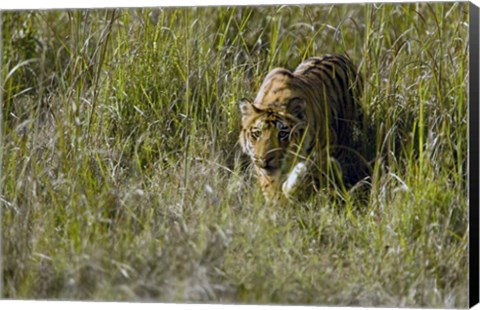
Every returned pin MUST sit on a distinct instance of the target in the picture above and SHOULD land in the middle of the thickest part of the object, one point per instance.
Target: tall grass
(123, 179)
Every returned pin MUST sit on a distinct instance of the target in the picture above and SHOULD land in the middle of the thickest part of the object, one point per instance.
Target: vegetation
(123, 179)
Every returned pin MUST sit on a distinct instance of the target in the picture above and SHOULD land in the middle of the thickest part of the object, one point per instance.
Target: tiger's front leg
(295, 181)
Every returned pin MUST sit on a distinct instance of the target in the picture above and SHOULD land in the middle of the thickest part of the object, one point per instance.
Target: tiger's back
(338, 87)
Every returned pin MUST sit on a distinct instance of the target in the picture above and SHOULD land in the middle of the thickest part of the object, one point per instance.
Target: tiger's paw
(294, 180)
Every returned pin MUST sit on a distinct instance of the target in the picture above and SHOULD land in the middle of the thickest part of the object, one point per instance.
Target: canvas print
(283, 154)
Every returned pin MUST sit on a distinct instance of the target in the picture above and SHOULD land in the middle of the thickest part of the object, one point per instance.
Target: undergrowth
(123, 179)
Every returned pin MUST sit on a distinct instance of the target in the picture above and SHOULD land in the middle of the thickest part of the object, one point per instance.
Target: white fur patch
(294, 178)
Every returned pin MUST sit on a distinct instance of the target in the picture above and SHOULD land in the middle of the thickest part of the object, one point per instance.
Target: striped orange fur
(302, 117)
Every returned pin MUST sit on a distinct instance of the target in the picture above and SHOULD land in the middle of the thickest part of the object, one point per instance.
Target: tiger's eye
(256, 134)
(283, 135)
(282, 126)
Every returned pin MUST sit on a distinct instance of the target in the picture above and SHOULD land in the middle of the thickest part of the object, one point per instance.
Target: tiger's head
(273, 128)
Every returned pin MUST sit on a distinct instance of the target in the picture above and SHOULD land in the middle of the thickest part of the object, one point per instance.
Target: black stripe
(334, 79)
(323, 76)
(314, 60)
(283, 72)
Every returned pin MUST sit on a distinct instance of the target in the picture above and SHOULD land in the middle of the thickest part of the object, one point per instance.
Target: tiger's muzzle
(270, 162)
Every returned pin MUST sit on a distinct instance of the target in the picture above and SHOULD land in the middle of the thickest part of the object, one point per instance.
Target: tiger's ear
(246, 108)
(296, 107)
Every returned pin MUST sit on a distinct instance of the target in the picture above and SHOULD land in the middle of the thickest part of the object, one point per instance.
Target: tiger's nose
(265, 161)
